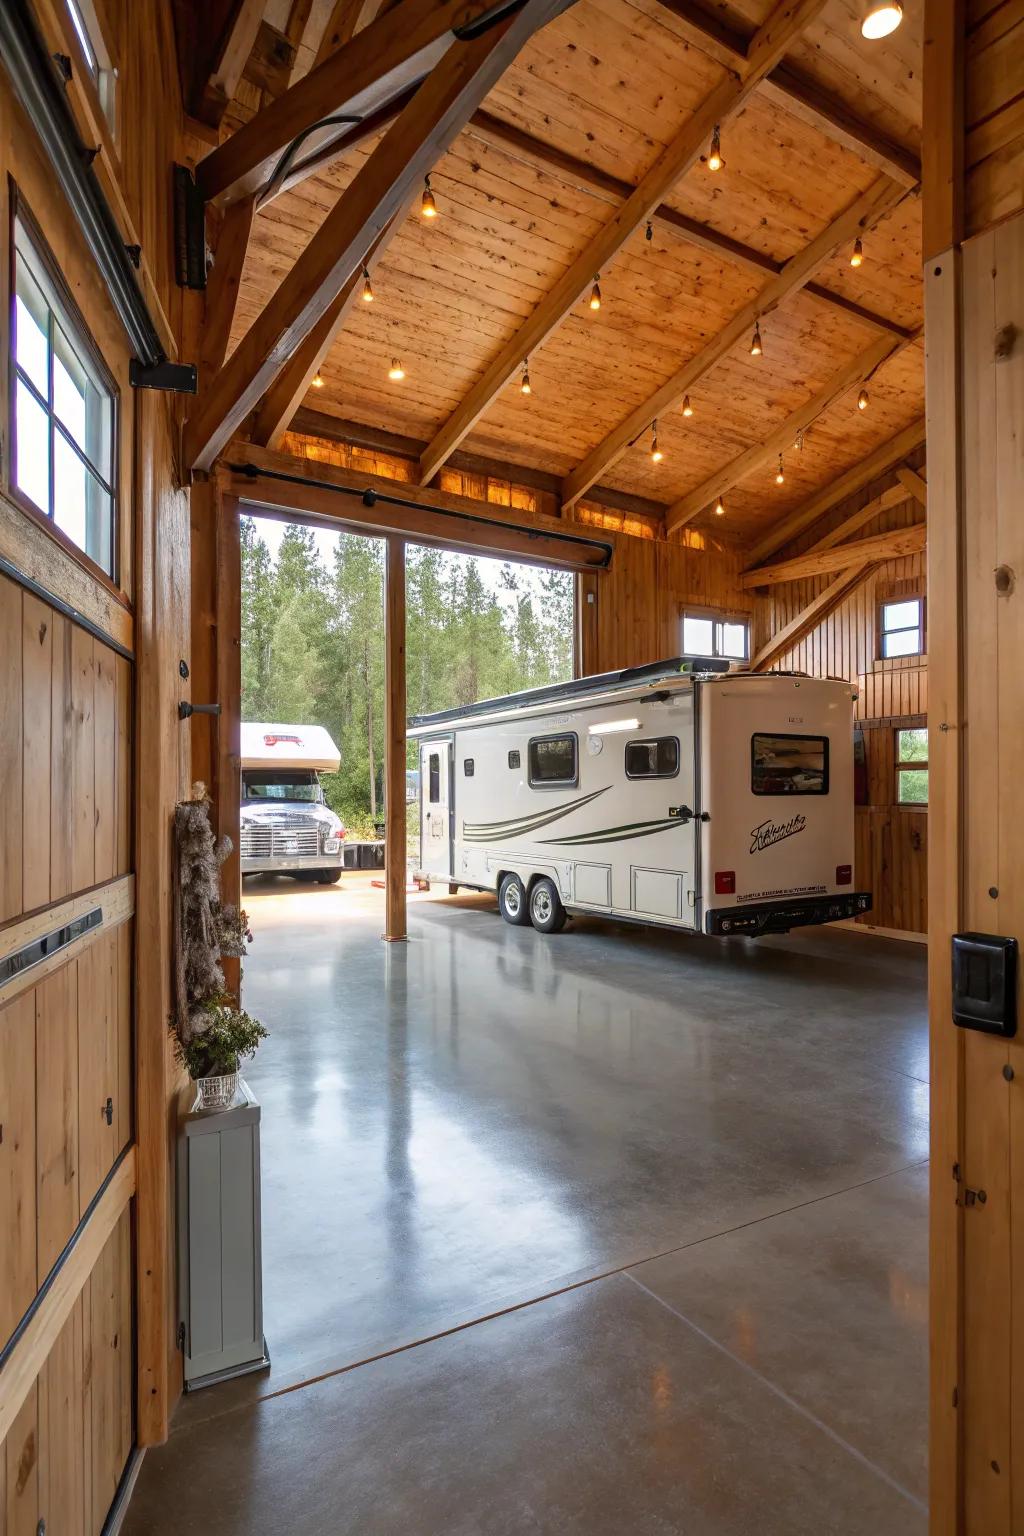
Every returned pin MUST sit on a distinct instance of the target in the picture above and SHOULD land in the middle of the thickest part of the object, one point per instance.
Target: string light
(396, 371)
(687, 407)
(595, 293)
(367, 287)
(756, 348)
(656, 453)
(428, 208)
(881, 18)
(649, 231)
(780, 473)
(525, 387)
(318, 380)
(715, 161)
(857, 255)
(863, 400)
(720, 507)
(799, 442)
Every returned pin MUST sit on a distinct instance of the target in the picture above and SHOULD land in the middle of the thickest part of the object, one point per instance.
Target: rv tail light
(725, 882)
(844, 874)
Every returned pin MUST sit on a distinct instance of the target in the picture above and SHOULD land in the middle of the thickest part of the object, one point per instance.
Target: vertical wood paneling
(17, 1160)
(97, 1063)
(105, 763)
(107, 1373)
(61, 731)
(123, 764)
(62, 1431)
(81, 810)
(10, 750)
(19, 1464)
(123, 1109)
(56, 1113)
(37, 665)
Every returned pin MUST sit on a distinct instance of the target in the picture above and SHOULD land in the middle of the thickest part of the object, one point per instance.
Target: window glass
(78, 22)
(698, 636)
(303, 787)
(901, 628)
(435, 778)
(912, 766)
(734, 641)
(658, 759)
(63, 412)
(707, 635)
(553, 760)
(789, 765)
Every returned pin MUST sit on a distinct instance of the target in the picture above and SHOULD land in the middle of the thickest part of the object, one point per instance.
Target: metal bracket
(189, 231)
(974, 1197)
(187, 710)
(180, 378)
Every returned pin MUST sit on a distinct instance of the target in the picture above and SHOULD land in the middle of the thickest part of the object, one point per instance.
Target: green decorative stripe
(618, 834)
(490, 831)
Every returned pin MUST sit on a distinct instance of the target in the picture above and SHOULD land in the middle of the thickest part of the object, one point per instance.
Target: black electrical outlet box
(985, 983)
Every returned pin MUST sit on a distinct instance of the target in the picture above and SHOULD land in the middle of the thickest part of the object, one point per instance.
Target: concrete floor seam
(783, 1396)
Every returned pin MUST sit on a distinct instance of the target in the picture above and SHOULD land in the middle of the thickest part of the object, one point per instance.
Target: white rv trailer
(679, 794)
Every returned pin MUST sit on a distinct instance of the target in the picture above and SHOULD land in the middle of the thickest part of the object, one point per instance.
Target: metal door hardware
(187, 710)
(108, 1111)
(985, 983)
(974, 1197)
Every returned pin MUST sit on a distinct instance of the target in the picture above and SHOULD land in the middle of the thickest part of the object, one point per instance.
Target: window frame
(85, 22)
(434, 777)
(890, 601)
(900, 767)
(650, 741)
(572, 783)
(79, 335)
(718, 618)
(792, 794)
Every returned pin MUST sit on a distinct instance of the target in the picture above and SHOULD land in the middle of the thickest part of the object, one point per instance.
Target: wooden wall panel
(17, 1160)
(61, 731)
(56, 1114)
(107, 1373)
(10, 752)
(62, 1483)
(19, 1472)
(37, 668)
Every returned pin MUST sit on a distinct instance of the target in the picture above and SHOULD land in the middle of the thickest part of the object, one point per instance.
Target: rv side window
(657, 759)
(789, 765)
(553, 759)
(435, 778)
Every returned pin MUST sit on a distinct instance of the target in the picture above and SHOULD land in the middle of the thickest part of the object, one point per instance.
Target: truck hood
(283, 813)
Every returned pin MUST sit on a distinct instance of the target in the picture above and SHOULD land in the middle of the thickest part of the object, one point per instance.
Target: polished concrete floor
(609, 1231)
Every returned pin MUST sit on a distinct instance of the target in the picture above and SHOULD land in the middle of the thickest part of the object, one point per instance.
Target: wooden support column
(394, 747)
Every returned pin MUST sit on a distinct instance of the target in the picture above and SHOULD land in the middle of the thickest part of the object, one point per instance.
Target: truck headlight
(332, 844)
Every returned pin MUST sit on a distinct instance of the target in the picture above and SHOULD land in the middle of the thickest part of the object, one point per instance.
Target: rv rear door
(436, 807)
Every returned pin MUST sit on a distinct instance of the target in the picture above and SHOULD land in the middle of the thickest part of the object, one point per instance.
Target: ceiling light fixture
(780, 473)
(428, 208)
(863, 400)
(715, 161)
(595, 293)
(881, 18)
(756, 348)
(607, 727)
(649, 231)
(719, 507)
(396, 371)
(656, 453)
(367, 287)
(857, 254)
(687, 407)
(525, 387)
(318, 380)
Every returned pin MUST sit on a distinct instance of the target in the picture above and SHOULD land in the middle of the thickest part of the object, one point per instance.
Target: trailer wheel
(546, 911)
(512, 903)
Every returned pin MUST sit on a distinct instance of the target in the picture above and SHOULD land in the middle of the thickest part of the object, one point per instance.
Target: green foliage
(313, 644)
(228, 1035)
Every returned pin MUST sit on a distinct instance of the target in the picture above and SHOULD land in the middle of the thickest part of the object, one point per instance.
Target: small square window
(912, 766)
(901, 628)
(654, 759)
(553, 760)
(709, 634)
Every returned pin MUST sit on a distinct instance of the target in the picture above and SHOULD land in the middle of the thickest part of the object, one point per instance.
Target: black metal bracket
(187, 710)
(189, 231)
(180, 378)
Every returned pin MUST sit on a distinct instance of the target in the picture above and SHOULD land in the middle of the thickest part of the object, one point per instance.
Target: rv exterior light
(881, 19)
(606, 727)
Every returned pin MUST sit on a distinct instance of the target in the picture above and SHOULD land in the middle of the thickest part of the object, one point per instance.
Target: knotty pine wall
(92, 759)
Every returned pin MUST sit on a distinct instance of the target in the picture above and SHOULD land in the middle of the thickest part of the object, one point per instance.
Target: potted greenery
(213, 1034)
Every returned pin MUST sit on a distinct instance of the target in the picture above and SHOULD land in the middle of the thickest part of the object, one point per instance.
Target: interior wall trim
(116, 903)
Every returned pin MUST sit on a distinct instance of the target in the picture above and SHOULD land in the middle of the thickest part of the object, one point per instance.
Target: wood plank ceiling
(609, 83)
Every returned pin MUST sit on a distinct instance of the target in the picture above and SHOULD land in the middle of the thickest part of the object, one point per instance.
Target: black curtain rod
(369, 496)
(33, 78)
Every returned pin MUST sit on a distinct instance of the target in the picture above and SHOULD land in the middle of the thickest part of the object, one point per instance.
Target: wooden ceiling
(600, 92)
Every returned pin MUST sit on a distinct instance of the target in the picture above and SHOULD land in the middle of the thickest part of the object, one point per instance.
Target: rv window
(435, 778)
(553, 760)
(789, 765)
(514, 760)
(468, 767)
(658, 759)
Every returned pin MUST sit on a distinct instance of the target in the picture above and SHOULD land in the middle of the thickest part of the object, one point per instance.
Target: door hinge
(108, 1111)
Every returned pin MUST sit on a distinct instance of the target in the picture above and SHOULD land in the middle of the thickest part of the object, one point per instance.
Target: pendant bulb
(715, 161)
(525, 387)
(428, 208)
(780, 473)
(863, 400)
(367, 287)
(857, 255)
(719, 507)
(396, 371)
(318, 380)
(595, 293)
(881, 17)
(656, 453)
(756, 349)
(687, 407)
(649, 232)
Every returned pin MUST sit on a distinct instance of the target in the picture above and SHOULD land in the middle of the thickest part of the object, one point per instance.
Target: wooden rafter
(891, 545)
(214, 92)
(343, 23)
(381, 188)
(813, 615)
(877, 463)
(895, 496)
(786, 21)
(913, 484)
(224, 284)
(851, 374)
(377, 66)
(864, 212)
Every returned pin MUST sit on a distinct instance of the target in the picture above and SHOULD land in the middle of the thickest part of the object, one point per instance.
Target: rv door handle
(680, 813)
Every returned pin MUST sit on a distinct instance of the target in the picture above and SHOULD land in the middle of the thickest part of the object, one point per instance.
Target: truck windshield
(304, 787)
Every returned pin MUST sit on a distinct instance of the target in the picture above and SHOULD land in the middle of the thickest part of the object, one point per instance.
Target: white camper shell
(286, 825)
(678, 794)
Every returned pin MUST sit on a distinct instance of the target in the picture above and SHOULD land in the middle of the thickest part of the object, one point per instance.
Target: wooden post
(394, 716)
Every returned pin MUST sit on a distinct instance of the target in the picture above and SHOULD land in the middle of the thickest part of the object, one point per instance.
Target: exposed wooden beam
(877, 463)
(421, 515)
(380, 189)
(813, 615)
(228, 61)
(224, 284)
(342, 25)
(380, 63)
(287, 392)
(913, 483)
(895, 496)
(853, 373)
(394, 741)
(862, 214)
(891, 545)
(786, 21)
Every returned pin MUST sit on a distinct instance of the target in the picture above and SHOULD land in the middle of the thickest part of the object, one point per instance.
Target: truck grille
(279, 842)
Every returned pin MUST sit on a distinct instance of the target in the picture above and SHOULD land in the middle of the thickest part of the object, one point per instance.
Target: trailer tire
(512, 902)
(546, 911)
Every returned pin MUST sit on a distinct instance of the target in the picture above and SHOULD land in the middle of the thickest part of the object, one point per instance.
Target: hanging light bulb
(780, 473)
(396, 371)
(656, 453)
(857, 254)
(367, 287)
(687, 407)
(800, 442)
(649, 232)
(863, 400)
(715, 161)
(881, 18)
(720, 507)
(595, 293)
(525, 387)
(756, 348)
(318, 380)
(428, 208)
